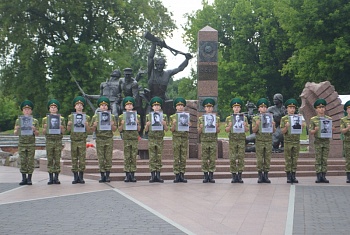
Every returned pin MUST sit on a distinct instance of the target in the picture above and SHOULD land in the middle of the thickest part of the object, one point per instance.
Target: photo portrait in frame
(209, 123)
(156, 121)
(325, 130)
(130, 121)
(237, 123)
(54, 124)
(295, 124)
(266, 123)
(26, 123)
(104, 123)
(182, 120)
(79, 120)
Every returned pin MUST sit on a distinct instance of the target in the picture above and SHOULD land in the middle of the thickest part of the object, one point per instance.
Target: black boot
(24, 180)
(289, 177)
(177, 178)
(75, 180)
(233, 178)
(56, 180)
(50, 179)
(182, 178)
(152, 179)
(347, 177)
(132, 177)
(294, 180)
(260, 177)
(324, 180)
(107, 176)
(81, 177)
(160, 180)
(266, 177)
(239, 178)
(127, 177)
(103, 177)
(29, 179)
(206, 177)
(319, 178)
(211, 177)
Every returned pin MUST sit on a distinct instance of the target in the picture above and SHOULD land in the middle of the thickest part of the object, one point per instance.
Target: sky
(179, 8)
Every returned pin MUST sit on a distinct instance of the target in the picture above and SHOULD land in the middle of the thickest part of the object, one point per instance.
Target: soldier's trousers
(180, 149)
(209, 149)
(322, 151)
(347, 155)
(78, 153)
(291, 155)
(26, 153)
(130, 155)
(104, 147)
(263, 154)
(53, 153)
(155, 149)
(236, 154)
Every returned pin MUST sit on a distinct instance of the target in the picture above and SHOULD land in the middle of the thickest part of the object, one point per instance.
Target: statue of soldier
(110, 89)
(278, 111)
(128, 86)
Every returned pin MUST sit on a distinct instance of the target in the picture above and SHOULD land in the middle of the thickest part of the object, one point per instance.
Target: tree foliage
(40, 40)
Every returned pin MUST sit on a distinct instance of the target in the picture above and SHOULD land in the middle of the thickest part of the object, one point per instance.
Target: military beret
(291, 102)
(178, 101)
(79, 99)
(262, 102)
(208, 102)
(156, 100)
(27, 104)
(53, 102)
(128, 100)
(346, 105)
(320, 103)
(236, 102)
(103, 100)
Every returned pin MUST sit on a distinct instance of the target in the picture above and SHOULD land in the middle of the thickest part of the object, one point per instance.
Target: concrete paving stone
(108, 213)
(8, 186)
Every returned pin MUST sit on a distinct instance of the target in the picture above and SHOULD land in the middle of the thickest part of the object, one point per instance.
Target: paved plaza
(168, 208)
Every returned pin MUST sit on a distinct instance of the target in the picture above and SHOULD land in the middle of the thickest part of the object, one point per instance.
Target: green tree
(8, 112)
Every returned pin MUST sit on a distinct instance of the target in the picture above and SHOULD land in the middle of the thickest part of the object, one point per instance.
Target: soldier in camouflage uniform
(236, 143)
(78, 141)
(53, 143)
(26, 144)
(180, 143)
(344, 128)
(262, 143)
(321, 144)
(104, 140)
(155, 141)
(130, 138)
(208, 142)
(292, 142)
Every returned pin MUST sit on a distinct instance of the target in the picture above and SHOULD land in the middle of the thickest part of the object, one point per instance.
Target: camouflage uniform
(155, 146)
(180, 148)
(130, 139)
(344, 122)
(209, 147)
(78, 147)
(236, 148)
(291, 147)
(53, 148)
(321, 146)
(26, 149)
(104, 146)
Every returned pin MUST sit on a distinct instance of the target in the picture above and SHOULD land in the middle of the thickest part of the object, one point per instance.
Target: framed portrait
(54, 124)
(79, 120)
(266, 123)
(26, 123)
(237, 123)
(209, 123)
(325, 130)
(130, 121)
(156, 121)
(182, 120)
(295, 126)
(104, 121)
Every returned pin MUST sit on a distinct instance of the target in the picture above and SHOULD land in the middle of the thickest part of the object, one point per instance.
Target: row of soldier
(236, 126)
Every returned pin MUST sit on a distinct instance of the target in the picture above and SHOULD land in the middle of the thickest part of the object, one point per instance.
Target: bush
(8, 113)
